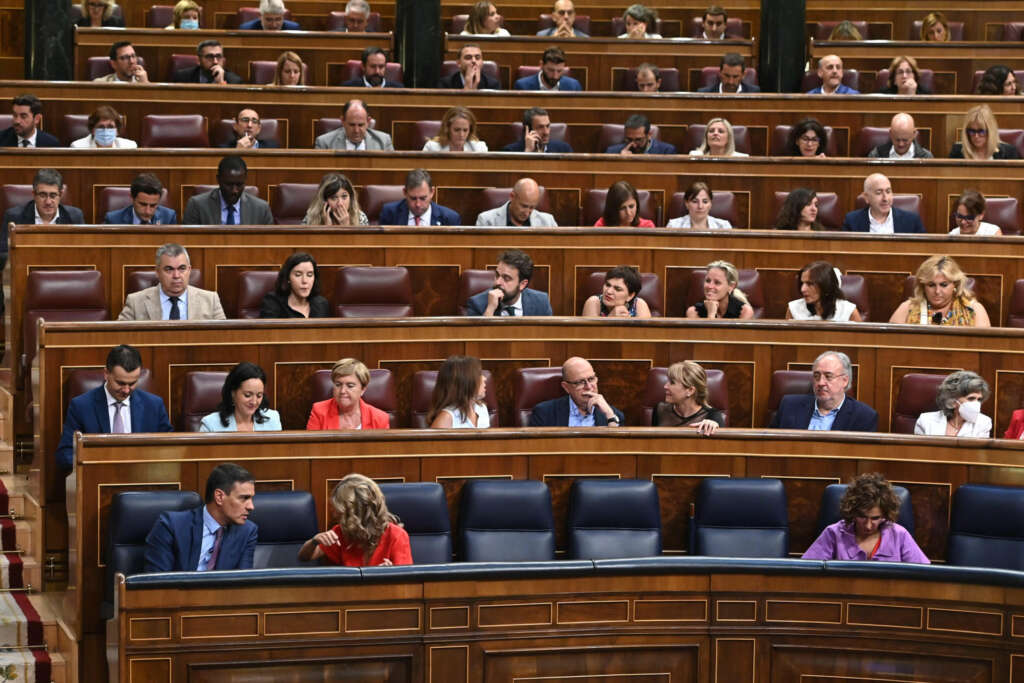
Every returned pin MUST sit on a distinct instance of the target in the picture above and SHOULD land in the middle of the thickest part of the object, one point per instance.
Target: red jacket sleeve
(1016, 425)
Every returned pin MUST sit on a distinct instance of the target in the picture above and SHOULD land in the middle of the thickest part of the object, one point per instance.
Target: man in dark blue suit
(145, 208)
(217, 535)
(510, 295)
(880, 216)
(418, 207)
(551, 75)
(730, 76)
(271, 18)
(636, 139)
(582, 406)
(537, 135)
(116, 407)
(828, 408)
(375, 68)
(26, 115)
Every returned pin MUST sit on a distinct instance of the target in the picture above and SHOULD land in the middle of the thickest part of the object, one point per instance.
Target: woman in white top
(698, 206)
(719, 140)
(638, 19)
(457, 134)
(484, 20)
(458, 399)
(959, 401)
(243, 403)
(822, 296)
(104, 126)
(968, 215)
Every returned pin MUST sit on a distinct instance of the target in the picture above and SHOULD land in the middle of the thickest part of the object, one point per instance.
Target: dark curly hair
(801, 127)
(789, 214)
(865, 492)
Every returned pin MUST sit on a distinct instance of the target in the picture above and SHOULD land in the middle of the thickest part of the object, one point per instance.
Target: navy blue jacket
(534, 303)
(555, 413)
(163, 216)
(795, 413)
(397, 213)
(554, 147)
(657, 147)
(174, 543)
(747, 87)
(902, 221)
(8, 138)
(88, 413)
(257, 25)
(565, 83)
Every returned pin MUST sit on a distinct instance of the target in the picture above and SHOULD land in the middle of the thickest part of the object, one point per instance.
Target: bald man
(880, 216)
(830, 71)
(902, 141)
(582, 406)
(520, 209)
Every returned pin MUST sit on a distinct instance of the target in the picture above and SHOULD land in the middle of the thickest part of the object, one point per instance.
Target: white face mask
(189, 24)
(969, 410)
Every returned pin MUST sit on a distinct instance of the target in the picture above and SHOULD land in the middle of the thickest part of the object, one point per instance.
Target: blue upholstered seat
(986, 528)
(833, 493)
(506, 521)
(740, 518)
(422, 508)
(614, 518)
(286, 520)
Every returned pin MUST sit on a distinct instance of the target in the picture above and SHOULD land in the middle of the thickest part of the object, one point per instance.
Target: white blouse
(698, 153)
(89, 142)
(934, 424)
(984, 229)
(502, 32)
(844, 309)
(713, 223)
(483, 418)
(471, 146)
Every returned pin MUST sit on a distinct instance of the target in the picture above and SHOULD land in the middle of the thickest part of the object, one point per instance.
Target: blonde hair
(690, 374)
(730, 146)
(931, 20)
(980, 114)
(946, 266)
(442, 138)
(364, 515)
(289, 56)
(732, 276)
(107, 11)
(180, 9)
(351, 366)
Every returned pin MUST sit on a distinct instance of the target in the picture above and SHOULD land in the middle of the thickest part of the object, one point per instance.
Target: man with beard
(375, 62)
(551, 75)
(510, 296)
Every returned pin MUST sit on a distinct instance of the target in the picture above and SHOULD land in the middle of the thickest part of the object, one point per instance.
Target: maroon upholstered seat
(100, 66)
(336, 22)
(86, 379)
(1004, 212)
(533, 386)
(654, 392)
(1015, 318)
(73, 127)
(916, 395)
(253, 285)
(138, 280)
(244, 14)
(324, 125)
(870, 137)
(472, 282)
(749, 283)
(709, 75)
(926, 79)
(374, 197)
(532, 70)
(650, 290)
(581, 23)
(785, 382)
(174, 130)
(423, 131)
(200, 189)
(612, 134)
(177, 62)
(733, 27)
(19, 195)
(423, 389)
(593, 206)
(493, 197)
(851, 79)
(354, 69)
(458, 24)
(291, 201)
(956, 30)
(373, 292)
(199, 397)
(619, 26)
(114, 197)
(829, 213)
(1012, 31)
(855, 288)
(1013, 137)
(723, 205)
(669, 80)
(379, 393)
(695, 137)
(781, 134)
(223, 132)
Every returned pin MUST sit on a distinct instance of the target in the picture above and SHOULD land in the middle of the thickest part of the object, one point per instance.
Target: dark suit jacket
(657, 147)
(8, 138)
(88, 413)
(534, 303)
(26, 215)
(565, 84)
(454, 81)
(902, 221)
(555, 413)
(747, 87)
(174, 543)
(1005, 151)
(276, 306)
(554, 147)
(125, 216)
(191, 75)
(264, 144)
(882, 151)
(257, 25)
(358, 83)
(397, 213)
(204, 209)
(795, 413)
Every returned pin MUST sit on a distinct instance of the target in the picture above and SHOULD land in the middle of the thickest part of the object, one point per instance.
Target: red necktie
(215, 550)
(417, 219)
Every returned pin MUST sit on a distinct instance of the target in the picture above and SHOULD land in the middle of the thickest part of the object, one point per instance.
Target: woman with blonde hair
(366, 535)
(484, 20)
(935, 28)
(941, 297)
(686, 401)
(719, 140)
(185, 15)
(722, 296)
(335, 203)
(289, 69)
(458, 399)
(457, 133)
(98, 14)
(980, 137)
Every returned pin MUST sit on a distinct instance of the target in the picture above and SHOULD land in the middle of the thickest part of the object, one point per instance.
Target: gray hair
(417, 177)
(271, 7)
(843, 359)
(357, 6)
(48, 176)
(958, 385)
(171, 249)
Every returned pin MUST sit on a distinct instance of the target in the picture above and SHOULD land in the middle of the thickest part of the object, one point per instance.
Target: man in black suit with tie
(45, 208)
(470, 75)
(210, 68)
(26, 114)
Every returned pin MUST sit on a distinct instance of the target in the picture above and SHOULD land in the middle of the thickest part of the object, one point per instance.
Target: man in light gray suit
(355, 135)
(229, 204)
(520, 209)
(172, 298)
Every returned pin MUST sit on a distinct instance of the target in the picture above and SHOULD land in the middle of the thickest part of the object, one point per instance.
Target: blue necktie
(231, 216)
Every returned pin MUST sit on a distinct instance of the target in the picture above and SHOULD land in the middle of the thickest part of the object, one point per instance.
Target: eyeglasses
(977, 131)
(809, 140)
(964, 218)
(48, 195)
(249, 119)
(582, 382)
(904, 72)
(214, 56)
(827, 376)
(126, 57)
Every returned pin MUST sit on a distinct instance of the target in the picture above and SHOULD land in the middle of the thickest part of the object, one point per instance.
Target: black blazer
(358, 83)
(264, 144)
(453, 81)
(1005, 151)
(276, 306)
(109, 22)
(26, 215)
(8, 138)
(191, 75)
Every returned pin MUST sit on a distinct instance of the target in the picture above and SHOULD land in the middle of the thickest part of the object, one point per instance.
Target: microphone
(937, 319)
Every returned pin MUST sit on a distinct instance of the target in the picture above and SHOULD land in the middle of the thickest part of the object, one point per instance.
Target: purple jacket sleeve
(909, 550)
(824, 547)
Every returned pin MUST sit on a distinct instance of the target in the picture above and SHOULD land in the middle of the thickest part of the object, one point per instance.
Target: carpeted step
(24, 664)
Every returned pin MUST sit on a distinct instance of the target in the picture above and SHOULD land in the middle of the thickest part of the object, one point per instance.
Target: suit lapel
(135, 408)
(196, 529)
(244, 209)
(99, 405)
(563, 410)
(152, 302)
(843, 416)
(213, 205)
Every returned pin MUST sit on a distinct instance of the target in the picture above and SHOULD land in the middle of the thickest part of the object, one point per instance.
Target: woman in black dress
(686, 400)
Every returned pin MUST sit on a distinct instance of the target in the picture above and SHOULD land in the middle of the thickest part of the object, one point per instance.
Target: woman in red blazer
(346, 408)
(1016, 425)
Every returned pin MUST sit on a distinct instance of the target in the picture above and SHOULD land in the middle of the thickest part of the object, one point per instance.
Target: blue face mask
(104, 136)
(189, 24)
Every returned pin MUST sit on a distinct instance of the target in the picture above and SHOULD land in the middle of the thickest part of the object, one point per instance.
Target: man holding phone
(636, 139)
(537, 135)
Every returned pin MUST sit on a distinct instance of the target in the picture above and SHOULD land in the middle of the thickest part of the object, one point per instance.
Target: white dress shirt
(883, 227)
(934, 424)
(165, 304)
(126, 410)
(424, 219)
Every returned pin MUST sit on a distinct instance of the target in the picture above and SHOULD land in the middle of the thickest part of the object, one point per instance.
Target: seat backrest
(114, 197)
(851, 79)
(244, 14)
(612, 134)
(829, 212)
(904, 202)
(472, 282)
(749, 283)
(73, 127)
(422, 508)
(83, 380)
(650, 290)
(373, 292)
(780, 134)
(833, 494)
(533, 386)
(199, 397)
(132, 516)
(423, 131)
(581, 23)
(12, 195)
(1015, 318)
(488, 68)
(593, 205)
(822, 29)
(559, 131)
(613, 518)
(354, 69)
(138, 280)
(723, 205)
(956, 30)
(785, 382)
(379, 393)
(669, 80)
(506, 521)
(694, 137)
(926, 79)
(759, 527)
(986, 527)
(1013, 137)
(174, 130)
(855, 288)
(336, 22)
(177, 62)
(1004, 212)
(60, 296)
(654, 392)
(423, 383)
(1013, 31)
(733, 27)
(870, 137)
(374, 197)
(291, 201)
(223, 131)
(916, 395)
(253, 285)
(201, 189)
(285, 521)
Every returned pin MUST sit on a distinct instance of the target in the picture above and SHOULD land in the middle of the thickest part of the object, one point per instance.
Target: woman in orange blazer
(346, 409)
(1016, 425)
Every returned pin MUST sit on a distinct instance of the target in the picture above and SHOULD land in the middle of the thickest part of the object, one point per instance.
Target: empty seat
(458, 24)
(379, 393)
(199, 397)
(870, 137)
(73, 127)
(374, 197)
(174, 130)
(1013, 31)
(855, 288)
(612, 134)
(1015, 318)
(613, 518)
(926, 80)
(833, 494)
(223, 132)
(722, 527)
(956, 30)
(723, 205)
(654, 392)
(709, 75)
(291, 201)
(1013, 137)
(473, 282)
(749, 284)
(781, 134)
(422, 508)
(253, 285)
(669, 80)
(423, 131)
(336, 22)
(506, 521)
(1004, 212)
(354, 70)
(533, 386)
(581, 23)
(785, 382)
(138, 280)
(986, 527)
(811, 80)
(593, 206)
(114, 197)
(733, 27)
(650, 290)
(285, 521)
(695, 138)
(423, 389)
(177, 62)
(830, 214)
(373, 292)
(916, 395)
